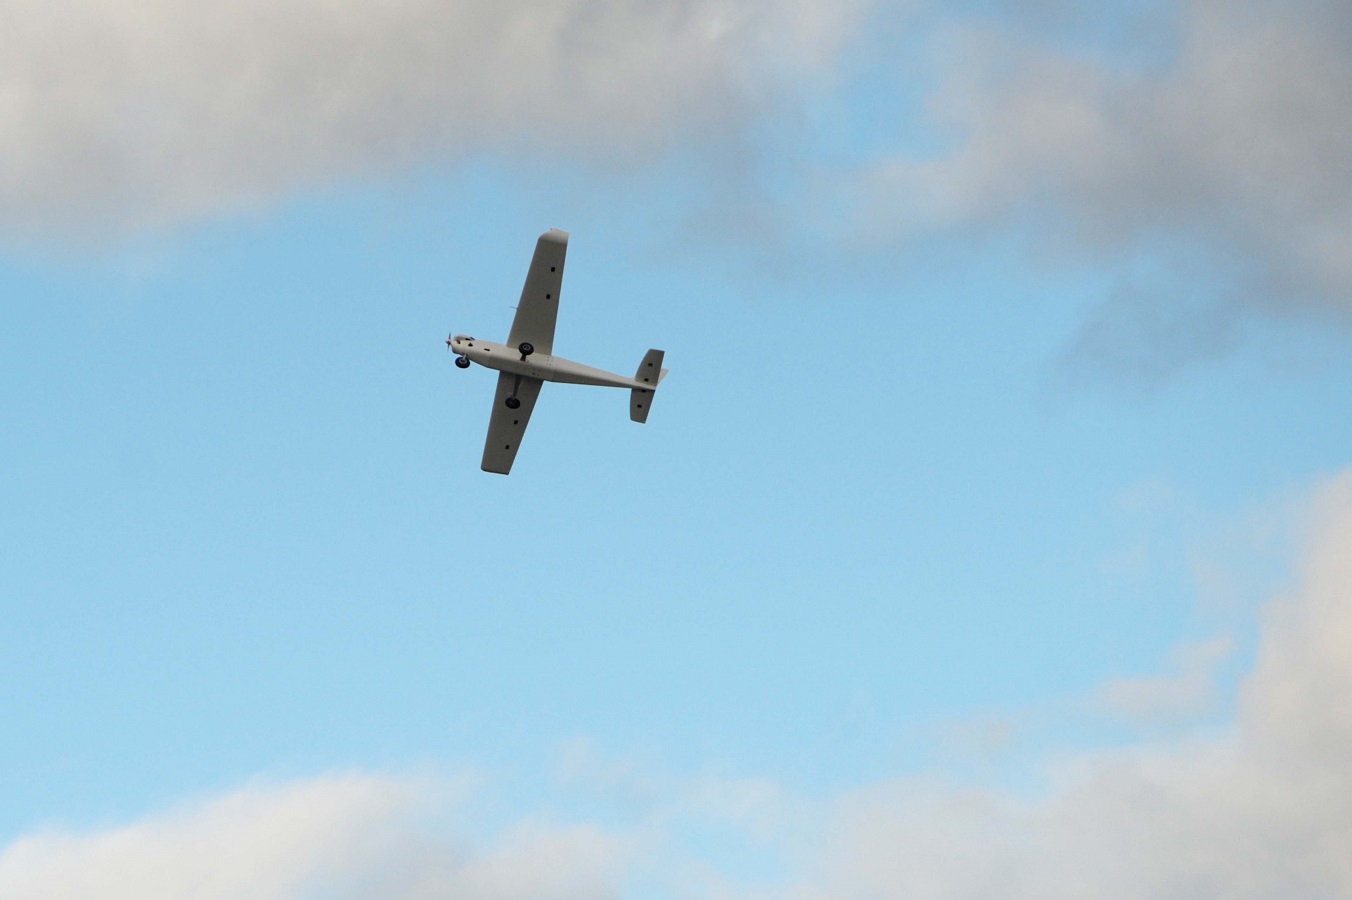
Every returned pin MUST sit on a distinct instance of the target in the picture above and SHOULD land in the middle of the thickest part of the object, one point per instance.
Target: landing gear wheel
(526, 348)
(462, 362)
(512, 403)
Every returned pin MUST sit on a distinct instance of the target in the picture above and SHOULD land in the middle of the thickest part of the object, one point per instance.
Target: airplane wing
(506, 427)
(539, 306)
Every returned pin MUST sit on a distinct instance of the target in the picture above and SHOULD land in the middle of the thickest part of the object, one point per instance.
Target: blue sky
(996, 422)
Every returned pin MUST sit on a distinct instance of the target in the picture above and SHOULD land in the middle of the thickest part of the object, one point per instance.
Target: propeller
(448, 341)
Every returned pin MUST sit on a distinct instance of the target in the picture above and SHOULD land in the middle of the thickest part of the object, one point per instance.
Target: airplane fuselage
(543, 366)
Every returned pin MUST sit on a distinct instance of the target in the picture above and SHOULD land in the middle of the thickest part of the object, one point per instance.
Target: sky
(991, 535)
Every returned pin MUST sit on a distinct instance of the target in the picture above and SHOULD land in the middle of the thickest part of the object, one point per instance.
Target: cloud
(1214, 177)
(1179, 696)
(1260, 809)
(353, 836)
(1263, 811)
(1299, 698)
(117, 116)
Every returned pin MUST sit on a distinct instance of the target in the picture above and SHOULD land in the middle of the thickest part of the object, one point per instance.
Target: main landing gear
(462, 362)
(526, 348)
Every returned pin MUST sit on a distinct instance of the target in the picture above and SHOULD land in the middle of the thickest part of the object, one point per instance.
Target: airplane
(526, 361)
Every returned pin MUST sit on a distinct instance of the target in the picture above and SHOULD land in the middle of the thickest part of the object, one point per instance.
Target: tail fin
(651, 372)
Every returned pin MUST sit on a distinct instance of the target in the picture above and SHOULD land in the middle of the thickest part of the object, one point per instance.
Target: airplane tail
(650, 371)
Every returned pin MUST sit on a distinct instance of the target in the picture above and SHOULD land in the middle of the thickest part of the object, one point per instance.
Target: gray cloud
(1223, 160)
(118, 116)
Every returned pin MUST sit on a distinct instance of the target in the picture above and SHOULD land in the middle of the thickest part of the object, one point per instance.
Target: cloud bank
(1212, 177)
(119, 116)
(1263, 810)
(343, 837)
(1222, 163)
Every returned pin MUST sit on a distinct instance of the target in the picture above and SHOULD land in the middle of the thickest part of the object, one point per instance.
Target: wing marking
(539, 306)
(506, 427)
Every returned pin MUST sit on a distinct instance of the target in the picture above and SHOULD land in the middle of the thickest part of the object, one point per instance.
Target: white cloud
(1178, 696)
(1262, 810)
(339, 837)
(1299, 698)
(116, 116)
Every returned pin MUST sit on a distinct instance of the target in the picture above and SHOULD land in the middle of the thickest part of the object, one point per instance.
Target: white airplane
(525, 361)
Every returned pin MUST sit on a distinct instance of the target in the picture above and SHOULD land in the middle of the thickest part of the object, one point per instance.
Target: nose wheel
(462, 362)
(526, 348)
